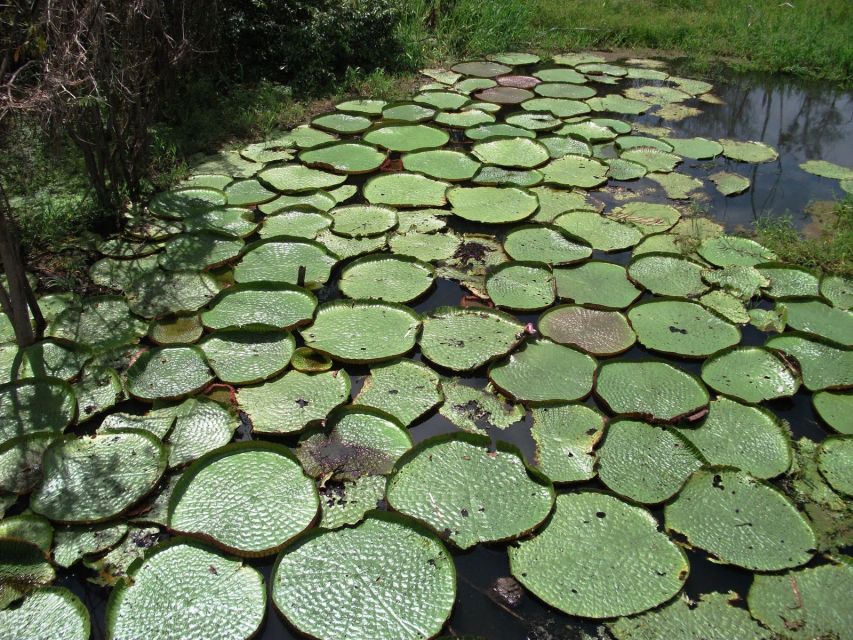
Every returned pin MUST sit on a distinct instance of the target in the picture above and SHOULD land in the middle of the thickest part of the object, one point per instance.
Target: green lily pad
(362, 331)
(344, 157)
(740, 520)
(827, 169)
(360, 220)
(497, 176)
(31, 406)
(597, 284)
(407, 112)
(833, 407)
(386, 277)
(464, 119)
(425, 246)
(406, 389)
(464, 339)
(361, 105)
(648, 217)
(23, 569)
(455, 484)
(296, 178)
(598, 332)
(317, 200)
(738, 280)
(668, 275)
(354, 441)
(564, 90)
(30, 528)
(243, 193)
(728, 183)
(560, 75)
(159, 293)
(645, 463)
(168, 373)
(280, 260)
(347, 503)
(407, 137)
(102, 323)
(544, 371)
(651, 390)
(545, 243)
(619, 169)
(820, 319)
(307, 360)
(521, 286)
(512, 152)
(654, 94)
(835, 461)
(733, 250)
(409, 579)
(96, 478)
(306, 137)
(614, 103)
(632, 141)
(750, 374)
(823, 365)
(341, 123)
(98, 389)
(601, 232)
(294, 401)
(838, 290)
(588, 131)
(443, 164)
(695, 148)
(239, 356)
(481, 69)
(677, 186)
(53, 359)
(269, 151)
(20, 462)
(534, 121)
(477, 410)
(498, 130)
(345, 248)
(181, 203)
(296, 223)
(565, 436)
(514, 59)
(493, 205)
(157, 421)
(265, 304)
(405, 190)
(208, 180)
(72, 542)
(177, 329)
(559, 146)
(654, 160)
(421, 220)
(181, 587)
(49, 612)
(576, 171)
(558, 107)
(712, 617)
(248, 498)
(755, 152)
(504, 95)
(198, 251)
(787, 281)
(236, 222)
(556, 564)
(681, 328)
(442, 100)
(119, 274)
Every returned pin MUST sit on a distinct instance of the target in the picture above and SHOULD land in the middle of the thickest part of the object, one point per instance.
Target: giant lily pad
(740, 520)
(755, 152)
(20, 462)
(50, 612)
(726, 251)
(835, 461)
(838, 290)
(443, 164)
(198, 251)
(248, 498)
(565, 435)
(521, 153)
(668, 275)
(23, 568)
(545, 243)
(695, 148)
(544, 371)
(168, 373)
(405, 190)
(477, 410)
(268, 304)
(158, 293)
(820, 319)
(645, 463)
(181, 203)
(598, 332)
(456, 485)
(245, 357)
(182, 587)
(31, 406)
(72, 542)
(464, 339)
(362, 331)
(296, 223)
(576, 171)
(344, 157)
(408, 578)
(296, 178)
(360, 220)
(601, 232)
(521, 286)
(835, 408)
(492, 205)
(407, 137)
(341, 123)
(597, 284)
(294, 401)
(681, 328)
(643, 567)
(102, 322)
(742, 436)
(96, 478)
(52, 359)
(651, 390)
(406, 389)
(383, 277)
(823, 365)
(787, 281)
(750, 374)
(280, 260)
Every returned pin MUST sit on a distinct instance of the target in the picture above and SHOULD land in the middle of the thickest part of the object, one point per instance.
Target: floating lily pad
(597, 284)
(838, 290)
(442, 100)
(559, 146)
(654, 160)
(651, 390)
(695, 148)
(677, 186)
(239, 356)
(318, 200)
(297, 224)
(734, 250)
(668, 275)
(443, 164)
(556, 563)
(534, 121)
(244, 193)
(405, 190)
(296, 178)
(464, 339)
(456, 485)
(499, 130)
(359, 220)
(344, 157)
(497, 176)
(407, 137)
(598, 332)
(512, 152)
(822, 320)
(198, 251)
(565, 436)
(410, 575)
(681, 328)
(268, 304)
(307, 360)
(750, 374)
(280, 260)
(645, 463)
(362, 105)
(72, 542)
(49, 612)
(406, 389)
(181, 203)
(494, 205)
(823, 365)
(347, 503)
(560, 75)
(632, 141)
(648, 217)
(601, 232)
(619, 169)
(52, 359)
(833, 407)
(425, 246)
(341, 123)
(31, 406)
(481, 69)
(20, 462)
(102, 322)
(835, 461)
(576, 171)
(28, 527)
(464, 119)
(201, 425)
(344, 247)
(157, 421)
(504, 95)
(231, 221)
(521, 286)
(755, 152)
(740, 520)
(407, 112)
(182, 587)
(269, 151)
(728, 183)
(168, 373)
(615, 103)
(383, 277)
(477, 410)
(545, 243)
(23, 568)
(158, 293)
(827, 169)
(177, 329)
(787, 281)
(96, 478)
(544, 371)
(361, 331)
(247, 498)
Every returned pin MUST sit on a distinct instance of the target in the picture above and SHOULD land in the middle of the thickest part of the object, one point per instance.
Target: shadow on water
(802, 121)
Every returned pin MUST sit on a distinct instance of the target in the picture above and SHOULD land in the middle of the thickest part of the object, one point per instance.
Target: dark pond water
(802, 121)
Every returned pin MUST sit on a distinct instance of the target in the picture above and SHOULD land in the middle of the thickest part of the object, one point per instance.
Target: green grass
(829, 248)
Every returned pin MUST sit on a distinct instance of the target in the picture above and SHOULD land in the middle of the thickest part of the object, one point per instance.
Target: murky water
(803, 121)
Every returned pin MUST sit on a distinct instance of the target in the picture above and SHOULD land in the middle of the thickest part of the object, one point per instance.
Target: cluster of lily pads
(261, 289)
